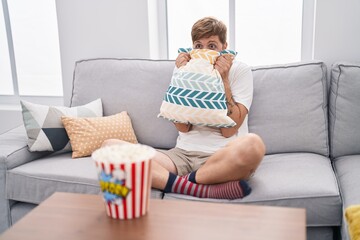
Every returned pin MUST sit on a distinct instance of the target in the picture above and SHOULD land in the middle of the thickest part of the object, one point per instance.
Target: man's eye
(212, 46)
(198, 46)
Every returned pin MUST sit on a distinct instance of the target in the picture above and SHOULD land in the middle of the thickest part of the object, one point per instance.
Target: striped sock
(191, 177)
(229, 190)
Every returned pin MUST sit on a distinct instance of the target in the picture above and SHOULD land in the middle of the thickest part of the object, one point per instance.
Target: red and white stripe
(138, 180)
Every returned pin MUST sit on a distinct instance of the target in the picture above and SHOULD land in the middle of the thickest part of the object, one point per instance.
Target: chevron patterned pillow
(196, 93)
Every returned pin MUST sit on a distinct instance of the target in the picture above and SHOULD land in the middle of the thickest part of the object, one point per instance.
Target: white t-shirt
(209, 139)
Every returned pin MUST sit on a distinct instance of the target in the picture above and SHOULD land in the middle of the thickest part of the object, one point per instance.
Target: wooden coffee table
(78, 216)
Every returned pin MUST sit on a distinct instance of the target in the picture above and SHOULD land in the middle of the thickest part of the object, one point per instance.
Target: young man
(212, 162)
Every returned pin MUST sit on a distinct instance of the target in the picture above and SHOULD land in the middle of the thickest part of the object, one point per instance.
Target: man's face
(212, 43)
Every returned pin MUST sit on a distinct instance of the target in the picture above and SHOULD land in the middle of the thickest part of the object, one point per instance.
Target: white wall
(100, 29)
(337, 31)
(10, 118)
(120, 28)
(10, 114)
(114, 28)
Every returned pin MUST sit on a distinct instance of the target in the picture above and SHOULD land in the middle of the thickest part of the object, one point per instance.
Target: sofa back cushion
(289, 109)
(344, 109)
(132, 85)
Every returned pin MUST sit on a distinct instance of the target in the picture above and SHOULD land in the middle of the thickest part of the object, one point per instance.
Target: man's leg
(160, 166)
(237, 161)
(167, 180)
(164, 178)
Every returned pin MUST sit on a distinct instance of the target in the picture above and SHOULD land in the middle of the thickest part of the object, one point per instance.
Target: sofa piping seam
(325, 100)
(287, 66)
(274, 199)
(53, 180)
(335, 112)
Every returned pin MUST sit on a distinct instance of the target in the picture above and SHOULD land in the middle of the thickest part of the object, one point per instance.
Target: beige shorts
(186, 161)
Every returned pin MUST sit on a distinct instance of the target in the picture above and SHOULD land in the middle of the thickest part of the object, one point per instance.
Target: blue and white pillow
(196, 93)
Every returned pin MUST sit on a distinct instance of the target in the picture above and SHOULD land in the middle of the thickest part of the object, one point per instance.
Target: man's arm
(236, 111)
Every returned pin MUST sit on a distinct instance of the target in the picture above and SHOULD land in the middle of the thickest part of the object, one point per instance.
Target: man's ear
(225, 46)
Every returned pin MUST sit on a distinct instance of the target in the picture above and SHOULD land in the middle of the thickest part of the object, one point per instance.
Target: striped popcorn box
(124, 173)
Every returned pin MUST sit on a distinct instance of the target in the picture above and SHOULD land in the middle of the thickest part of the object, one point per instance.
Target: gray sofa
(308, 123)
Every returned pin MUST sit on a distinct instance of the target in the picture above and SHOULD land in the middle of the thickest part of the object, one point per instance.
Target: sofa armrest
(14, 150)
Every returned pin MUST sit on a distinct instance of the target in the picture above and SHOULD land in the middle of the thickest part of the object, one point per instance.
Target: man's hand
(182, 59)
(223, 64)
(183, 127)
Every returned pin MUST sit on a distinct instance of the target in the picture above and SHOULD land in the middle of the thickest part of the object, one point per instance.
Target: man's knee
(248, 150)
(256, 145)
(109, 142)
(114, 141)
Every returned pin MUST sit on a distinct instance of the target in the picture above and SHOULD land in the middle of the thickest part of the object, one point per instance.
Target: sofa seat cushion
(347, 169)
(35, 181)
(300, 180)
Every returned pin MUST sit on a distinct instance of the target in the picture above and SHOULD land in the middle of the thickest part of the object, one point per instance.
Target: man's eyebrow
(208, 42)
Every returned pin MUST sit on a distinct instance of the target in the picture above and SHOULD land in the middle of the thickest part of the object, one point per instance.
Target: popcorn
(123, 153)
(124, 173)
